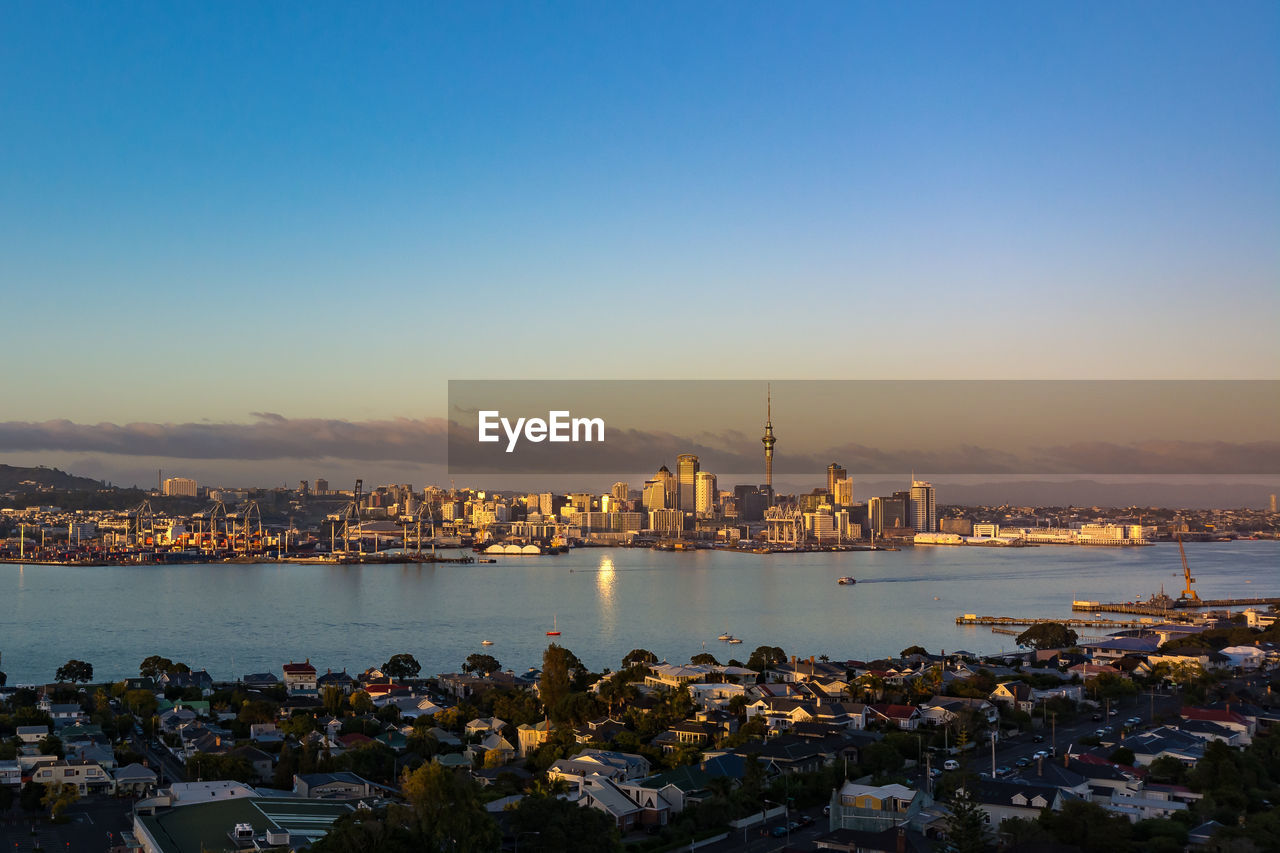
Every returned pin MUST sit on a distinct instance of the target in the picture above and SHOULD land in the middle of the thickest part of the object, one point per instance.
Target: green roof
(205, 826)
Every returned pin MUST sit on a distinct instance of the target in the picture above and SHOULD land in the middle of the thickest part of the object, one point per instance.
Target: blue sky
(326, 211)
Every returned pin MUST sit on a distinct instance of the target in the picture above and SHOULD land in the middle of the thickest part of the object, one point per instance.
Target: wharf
(1010, 621)
(1168, 612)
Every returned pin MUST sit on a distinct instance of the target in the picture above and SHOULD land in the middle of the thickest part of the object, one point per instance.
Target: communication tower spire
(768, 440)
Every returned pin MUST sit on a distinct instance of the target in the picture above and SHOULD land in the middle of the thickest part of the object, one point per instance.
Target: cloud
(269, 436)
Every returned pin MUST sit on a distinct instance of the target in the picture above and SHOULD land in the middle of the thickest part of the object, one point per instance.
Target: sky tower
(768, 440)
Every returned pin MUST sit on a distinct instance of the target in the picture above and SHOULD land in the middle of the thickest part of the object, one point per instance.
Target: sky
(229, 214)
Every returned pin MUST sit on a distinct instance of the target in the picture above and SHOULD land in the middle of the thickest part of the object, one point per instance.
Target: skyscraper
(687, 482)
(620, 491)
(834, 474)
(768, 440)
(842, 494)
(924, 511)
(707, 495)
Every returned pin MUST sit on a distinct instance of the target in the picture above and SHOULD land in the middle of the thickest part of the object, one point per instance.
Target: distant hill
(14, 479)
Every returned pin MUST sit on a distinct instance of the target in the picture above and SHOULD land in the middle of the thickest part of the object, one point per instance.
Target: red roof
(354, 739)
(299, 668)
(1213, 715)
(896, 712)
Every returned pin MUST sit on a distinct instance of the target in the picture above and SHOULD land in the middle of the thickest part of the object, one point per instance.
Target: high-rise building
(687, 481)
(768, 440)
(705, 494)
(834, 474)
(179, 487)
(842, 492)
(322, 486)
(1273, 503)
(887, 512)
(924, 511)
(620, 491)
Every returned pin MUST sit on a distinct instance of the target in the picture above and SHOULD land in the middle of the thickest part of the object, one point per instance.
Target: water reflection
(606, 581)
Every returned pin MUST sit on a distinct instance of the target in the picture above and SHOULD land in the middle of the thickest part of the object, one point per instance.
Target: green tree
(362, 702)
(966, 826)
(74, 671)
(1047, 635)
(57, 798)
(1089, 827)
(382, 830)
(704, 658)
(764, 657)
(639, 656)
(554, 685)
(402, 666)
(30, 797)
(333, 699)
(913, 650)
(481, 663)
(448, 811)
(1122, 755)
(153, 666)
(51, 745)
(552, 825)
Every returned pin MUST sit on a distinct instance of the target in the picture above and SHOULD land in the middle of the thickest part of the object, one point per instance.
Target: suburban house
(332, 786)
(87, 776)
(1016, 695)
(870, 807)
(1002, 800)
(300, 678)
(906, 717)
(530, 737)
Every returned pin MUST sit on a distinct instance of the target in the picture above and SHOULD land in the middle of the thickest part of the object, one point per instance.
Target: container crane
(1188, 594)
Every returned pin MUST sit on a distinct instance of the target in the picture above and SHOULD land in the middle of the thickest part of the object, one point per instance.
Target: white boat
(846, 581)
(725, 636)
(486, 642)
(733, 640)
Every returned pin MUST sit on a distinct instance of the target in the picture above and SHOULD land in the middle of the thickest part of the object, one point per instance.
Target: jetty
(1012, 621)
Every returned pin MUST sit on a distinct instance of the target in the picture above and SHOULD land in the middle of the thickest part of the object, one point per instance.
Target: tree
(913, 650)
(153, 666)
(1048, 635)
(636, 656)
(966, 826)
(30, 796)
(1088, 827)
(448, 812)
(547, 823)
(554, 684)
(402, 666)
(481, 663)
(3, 678)
(764, 657)
(51, 745)
(361, 702)
(57, 797)
(705, 658)
(1122, 755)
(74, 671)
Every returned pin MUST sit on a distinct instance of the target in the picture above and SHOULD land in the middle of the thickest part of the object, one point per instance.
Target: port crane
(1188, 594)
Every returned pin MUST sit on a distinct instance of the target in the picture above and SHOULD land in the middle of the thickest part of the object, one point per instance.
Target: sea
(235, 619)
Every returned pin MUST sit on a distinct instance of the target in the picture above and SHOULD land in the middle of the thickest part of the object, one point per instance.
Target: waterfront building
(924, 510)
(666, 522)
(182, 487)
(706, 493)
(890, 512)
(842, 492)
(687, 479)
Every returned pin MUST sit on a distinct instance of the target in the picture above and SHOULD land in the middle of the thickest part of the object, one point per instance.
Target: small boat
(555, 628)
(486, 642)
(733, 641)
(725, 636)
(846, 581)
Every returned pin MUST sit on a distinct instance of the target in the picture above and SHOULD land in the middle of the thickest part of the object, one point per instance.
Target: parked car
(1023, 762)
(1003, 770)
(1100, 733)
(1096, 718)
(1039, 755)
(1037, 738)
(779, 831)
(951, 764)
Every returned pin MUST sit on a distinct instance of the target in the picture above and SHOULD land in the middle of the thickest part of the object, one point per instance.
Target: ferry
(486, 642)
(846, 581)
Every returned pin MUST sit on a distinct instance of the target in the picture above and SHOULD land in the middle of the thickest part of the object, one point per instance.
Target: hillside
(16, 479)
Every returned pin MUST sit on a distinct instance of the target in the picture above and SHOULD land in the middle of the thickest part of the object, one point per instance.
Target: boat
(733, 641)
(725, 636)
(555, 628)
(846, 581)
(486, 642)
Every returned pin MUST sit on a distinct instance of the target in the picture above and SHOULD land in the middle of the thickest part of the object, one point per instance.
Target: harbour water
(235, 619)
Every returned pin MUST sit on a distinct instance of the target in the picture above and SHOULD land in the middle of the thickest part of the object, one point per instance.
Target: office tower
(322, 486)
(924, 512)
(751, 501)
(706, 495)
(687, 481)
(769, 441)
(842, 492)
(620, 492)
(180, 487)
(661, 491)
(1273, 503)
(834, 475)
(887, 512)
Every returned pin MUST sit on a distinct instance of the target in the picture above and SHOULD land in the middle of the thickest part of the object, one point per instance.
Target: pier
(1178, 610)
(1010, 621)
